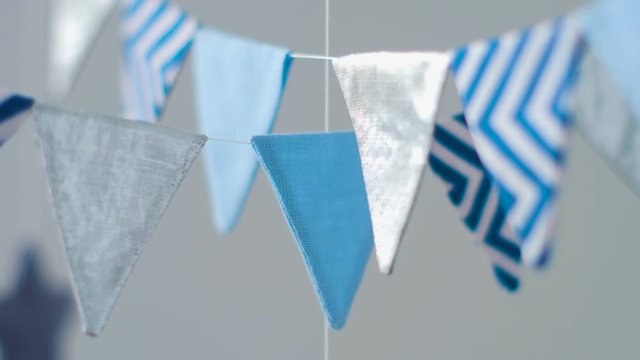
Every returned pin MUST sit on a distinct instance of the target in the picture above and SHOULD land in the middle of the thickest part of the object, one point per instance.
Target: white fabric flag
(393, 99)
(111, 181)
(73, 27)
(605, 119)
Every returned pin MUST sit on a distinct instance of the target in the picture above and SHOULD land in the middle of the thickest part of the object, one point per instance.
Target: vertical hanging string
(326, 65)
(326, 340)
(326, 129)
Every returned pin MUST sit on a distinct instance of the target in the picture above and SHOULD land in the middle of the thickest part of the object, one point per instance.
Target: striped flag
(157, 36)
(13, 109)
(454, 159)
(516, 95)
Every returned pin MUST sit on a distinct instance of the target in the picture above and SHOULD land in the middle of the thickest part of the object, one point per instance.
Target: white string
(326, 127)
(310, 56)
(228, 140)
(326, 65)
(326, 340)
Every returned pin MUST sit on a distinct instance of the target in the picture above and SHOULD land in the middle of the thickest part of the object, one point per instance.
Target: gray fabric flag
(606, 121)
(111, 181)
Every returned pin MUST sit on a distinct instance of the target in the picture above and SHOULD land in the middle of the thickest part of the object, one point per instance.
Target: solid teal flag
(318, 181)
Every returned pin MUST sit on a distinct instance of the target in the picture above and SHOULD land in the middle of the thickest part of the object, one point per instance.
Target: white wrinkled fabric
(606, 121)
(393, 99)
(111, 181)
(73, 27)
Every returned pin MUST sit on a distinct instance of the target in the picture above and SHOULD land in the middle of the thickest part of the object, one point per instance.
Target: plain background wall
(197, 295)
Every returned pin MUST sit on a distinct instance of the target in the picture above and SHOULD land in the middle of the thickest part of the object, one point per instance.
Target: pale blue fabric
(239, 85)
(318, 181)
(612, 29)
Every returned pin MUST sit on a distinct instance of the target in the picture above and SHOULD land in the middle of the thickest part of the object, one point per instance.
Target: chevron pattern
(516, 94)
(157, 37)
(12, 110)
(454, 159)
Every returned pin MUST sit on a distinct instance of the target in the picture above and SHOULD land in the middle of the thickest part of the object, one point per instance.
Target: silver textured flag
(111, 181)
(393, 99)
(73, 27)
(606, 121)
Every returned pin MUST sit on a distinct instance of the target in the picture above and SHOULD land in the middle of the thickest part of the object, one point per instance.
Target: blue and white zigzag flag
(516, 91)
(13, 111)
(157, 36)
(454, 159)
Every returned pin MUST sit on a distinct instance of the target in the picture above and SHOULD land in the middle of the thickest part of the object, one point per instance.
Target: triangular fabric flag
(318, 181)
(239, 84)
(14, 110)
(74, 25)
(111, 181)
(453, 158)
(605, 120)
(612, 30)
(516, 91)
(157, 37)
(393, 99)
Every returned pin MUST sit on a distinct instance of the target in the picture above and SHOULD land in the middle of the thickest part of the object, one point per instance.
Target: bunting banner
(157, 37)
(454, 159)
(612, 31)
(74, 26)
(14, 110)
(501, 161)
(111, 181)
(606, 121)
(516, 91)
(318, 181)
(238, 86)
(393, 99)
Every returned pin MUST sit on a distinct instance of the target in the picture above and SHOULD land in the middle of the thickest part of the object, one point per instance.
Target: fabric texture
(318, 181)
(111, 181)
(157, 37)
(14, 110)
(612, 30)
(73, 28)
(606, 121)
(454, 159)
(517, 96)
(393, 99)
(238, 87)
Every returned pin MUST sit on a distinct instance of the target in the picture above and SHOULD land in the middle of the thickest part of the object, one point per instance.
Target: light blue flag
(239, 85)
(318, 181)
(612, 30)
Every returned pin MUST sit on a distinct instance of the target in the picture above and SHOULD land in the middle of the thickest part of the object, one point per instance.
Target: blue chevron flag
(238, 87)
(157, 37)
(318, 181)
(516, 91)
(13, 109)
(454, 159)
(612, 30)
